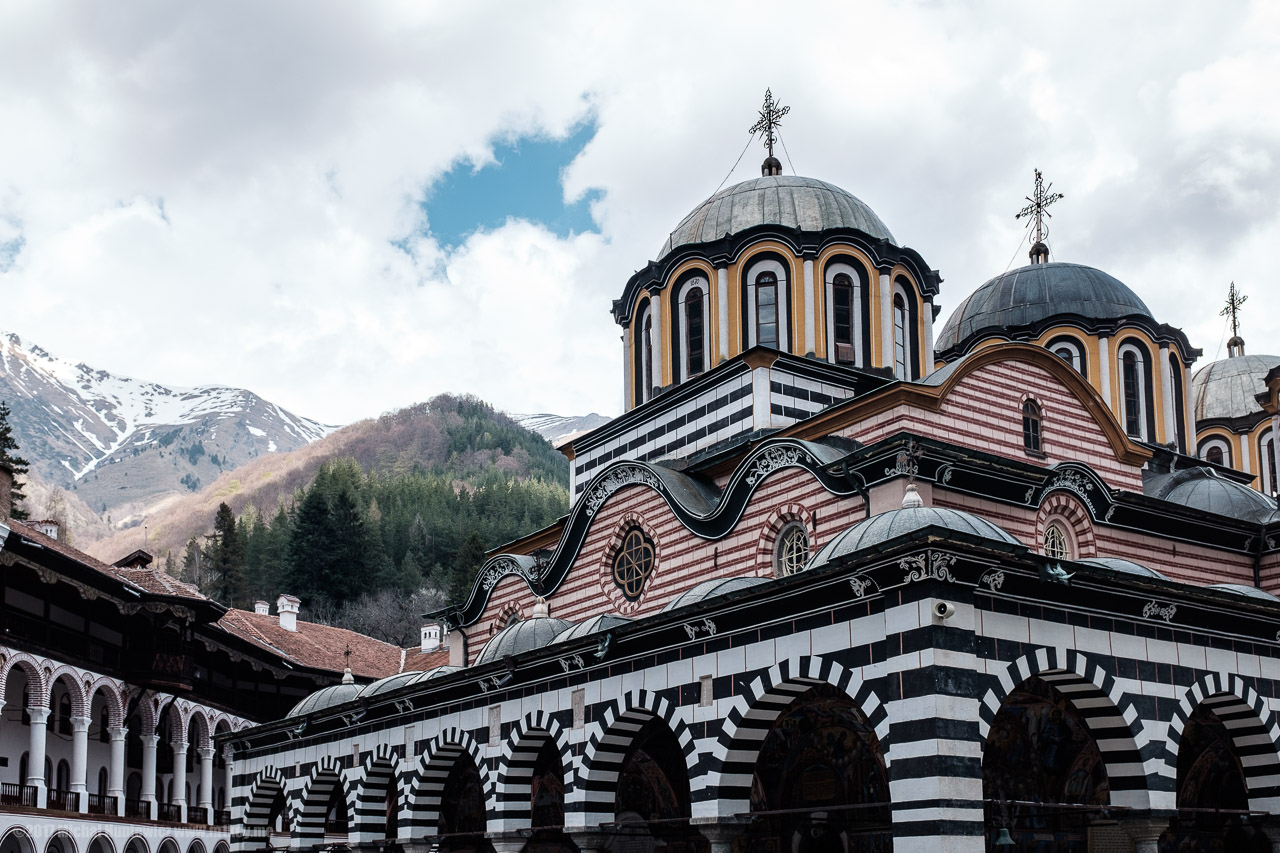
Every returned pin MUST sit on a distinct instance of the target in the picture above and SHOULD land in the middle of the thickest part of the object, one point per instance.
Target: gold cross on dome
(1037, 211)
(770, 119)
(1235, 300)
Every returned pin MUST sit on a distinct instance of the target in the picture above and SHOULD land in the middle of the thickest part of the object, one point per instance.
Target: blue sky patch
(524, 183)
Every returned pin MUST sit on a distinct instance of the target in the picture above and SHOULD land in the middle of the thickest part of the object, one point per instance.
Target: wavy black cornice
(656, 274)
(705, 511)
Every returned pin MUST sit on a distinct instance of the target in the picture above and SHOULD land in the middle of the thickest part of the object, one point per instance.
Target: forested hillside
(407, 502)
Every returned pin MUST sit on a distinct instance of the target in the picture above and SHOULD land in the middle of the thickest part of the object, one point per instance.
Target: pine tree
(9, 457)
(470, 559)
(227, 555)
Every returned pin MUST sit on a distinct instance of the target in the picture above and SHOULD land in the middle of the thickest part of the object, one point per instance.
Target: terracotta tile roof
(316, 646)
(152, 580)
(416, 660)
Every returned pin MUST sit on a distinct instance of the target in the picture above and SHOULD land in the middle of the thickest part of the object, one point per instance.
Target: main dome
(806, 204)
(1030, 294)
(1227, 388)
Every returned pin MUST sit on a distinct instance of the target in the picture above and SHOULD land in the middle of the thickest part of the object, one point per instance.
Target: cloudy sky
(348, 208)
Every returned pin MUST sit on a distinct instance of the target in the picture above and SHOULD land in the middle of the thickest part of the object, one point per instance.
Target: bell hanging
(1004, 839)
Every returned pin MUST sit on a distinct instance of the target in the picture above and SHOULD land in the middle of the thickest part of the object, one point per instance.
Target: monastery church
(836, 581)
(841, 578)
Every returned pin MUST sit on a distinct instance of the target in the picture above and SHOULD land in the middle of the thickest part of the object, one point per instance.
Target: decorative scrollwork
(624, 475)
(860, 586)
(500, 568)
(774, 458)
(931, 565)
(572, 662)
(1077, 483)
(907, 461)
(993, 579)
(1154, 608)
(705, 626)
(1030, 493)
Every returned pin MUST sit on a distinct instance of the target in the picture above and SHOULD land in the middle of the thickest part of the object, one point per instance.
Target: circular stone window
(633, 563)
(792, 550)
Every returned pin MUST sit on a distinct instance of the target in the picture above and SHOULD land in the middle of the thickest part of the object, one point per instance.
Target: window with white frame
(1070, 351)
(1057, 545)
(766, 298)
(693, 299)
(791, 551)
(644, 351)
(1135, 397)
(846, 294)
(1267, 462)
(906, 352)
(1216, 450)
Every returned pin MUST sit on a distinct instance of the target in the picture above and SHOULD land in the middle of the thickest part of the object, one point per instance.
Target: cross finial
(770, 118)
(347, 655)
(1037, 210)
(1235, 299)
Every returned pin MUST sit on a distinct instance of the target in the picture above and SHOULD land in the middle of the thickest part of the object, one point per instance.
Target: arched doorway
(546, 802)
(653, 789)
(1043, 777)
(1213, 790)
(819, 784)
(17, 840)
(462, 808)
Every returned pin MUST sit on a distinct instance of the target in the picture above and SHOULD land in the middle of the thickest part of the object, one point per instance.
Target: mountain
(558, 429)
(459, 438)
(121, 444)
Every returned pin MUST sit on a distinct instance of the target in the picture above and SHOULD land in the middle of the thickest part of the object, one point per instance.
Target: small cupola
(137, 560)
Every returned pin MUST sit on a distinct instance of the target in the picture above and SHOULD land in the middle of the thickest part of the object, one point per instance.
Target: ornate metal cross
(1235, 299)
(770, 118)
(1037, 211)
(346, 656)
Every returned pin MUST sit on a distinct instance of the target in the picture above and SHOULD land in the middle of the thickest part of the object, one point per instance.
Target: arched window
(1267, 462)
(899, 336)
(64, 715)
(792, 550)
(1179, 404)
(1135, 376)
(765, 305)
(692, 321)
(1056, 544)
(1216, 450)
(645, 351)
(842, 310)
(906, 337)
(766, 300)
(1031, 427)
(1069, 350)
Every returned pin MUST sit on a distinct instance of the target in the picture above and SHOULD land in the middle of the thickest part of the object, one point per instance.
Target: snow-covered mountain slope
(558, 429)
(76, 425)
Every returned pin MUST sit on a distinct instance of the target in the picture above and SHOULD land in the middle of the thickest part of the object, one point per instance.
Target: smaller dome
(1128, 567)
(594, 625)
(1204, 489)
(428, 674)
(524, 636)
(712, 589)
(899, 522)
(326, 697)
(1028, 295)
(1225, 389)
(385, 685)
(1246, 591)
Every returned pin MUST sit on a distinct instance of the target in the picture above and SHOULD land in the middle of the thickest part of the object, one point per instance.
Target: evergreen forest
(379, 536)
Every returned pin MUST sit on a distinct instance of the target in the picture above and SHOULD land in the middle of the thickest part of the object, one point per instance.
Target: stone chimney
(6, 493)
(431, 637)
(287, 606)
(261, 608)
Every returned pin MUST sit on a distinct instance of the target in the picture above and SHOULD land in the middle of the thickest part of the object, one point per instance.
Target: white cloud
(213, 193)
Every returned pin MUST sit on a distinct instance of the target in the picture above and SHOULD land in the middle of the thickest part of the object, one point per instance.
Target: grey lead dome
(1227, 388)
(806, 204)
(1027, 295)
